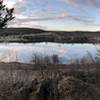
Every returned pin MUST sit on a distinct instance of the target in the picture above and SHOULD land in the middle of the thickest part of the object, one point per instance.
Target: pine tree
(6, 14)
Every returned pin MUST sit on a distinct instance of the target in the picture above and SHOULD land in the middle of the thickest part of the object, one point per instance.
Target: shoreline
(34, 67)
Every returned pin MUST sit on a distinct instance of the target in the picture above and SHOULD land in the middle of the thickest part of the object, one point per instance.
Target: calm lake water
(20, 52)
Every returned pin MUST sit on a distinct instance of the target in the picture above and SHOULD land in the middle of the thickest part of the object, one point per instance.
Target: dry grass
(44, 81)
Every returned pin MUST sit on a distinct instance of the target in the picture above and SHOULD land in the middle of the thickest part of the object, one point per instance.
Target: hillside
(38, 35)
(18, 31)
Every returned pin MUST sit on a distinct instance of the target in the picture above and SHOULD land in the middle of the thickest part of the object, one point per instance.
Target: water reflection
(19, 52)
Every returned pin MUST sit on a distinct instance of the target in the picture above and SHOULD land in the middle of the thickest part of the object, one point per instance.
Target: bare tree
(55, 59)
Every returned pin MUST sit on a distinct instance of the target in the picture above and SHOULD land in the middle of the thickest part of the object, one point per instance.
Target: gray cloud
(22, 19)
(98, 9)
(83, 19)
(80, 19)
(28, 16)
(95, 3)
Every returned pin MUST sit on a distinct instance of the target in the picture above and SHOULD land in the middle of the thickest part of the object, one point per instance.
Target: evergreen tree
(6, 14)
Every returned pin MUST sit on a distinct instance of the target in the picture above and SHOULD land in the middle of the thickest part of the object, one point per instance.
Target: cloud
(23, 8)
(60, 16)
(30, 13)
(98, 9)
(23, 19)
(83, 19)
(11, 3)
(95, 3)
(24, 11)
(70, 2)
(86, 20)
(31, 21)
(30, 24)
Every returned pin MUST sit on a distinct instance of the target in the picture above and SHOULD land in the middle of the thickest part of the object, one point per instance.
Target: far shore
(27, 35)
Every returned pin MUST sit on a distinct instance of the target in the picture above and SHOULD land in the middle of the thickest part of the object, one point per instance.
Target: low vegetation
(44, 80)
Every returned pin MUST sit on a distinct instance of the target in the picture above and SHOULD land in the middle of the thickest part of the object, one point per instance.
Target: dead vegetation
(76, 82)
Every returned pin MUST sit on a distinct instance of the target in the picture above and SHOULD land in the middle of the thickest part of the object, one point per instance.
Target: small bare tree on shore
(42, 63)
(55, 59)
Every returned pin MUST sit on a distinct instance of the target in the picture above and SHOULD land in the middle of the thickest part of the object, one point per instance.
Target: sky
(67, 15)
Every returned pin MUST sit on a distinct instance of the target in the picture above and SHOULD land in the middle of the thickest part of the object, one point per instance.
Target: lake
(24, 53)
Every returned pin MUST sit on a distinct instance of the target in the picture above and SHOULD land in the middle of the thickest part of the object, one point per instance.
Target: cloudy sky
(56, 14)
